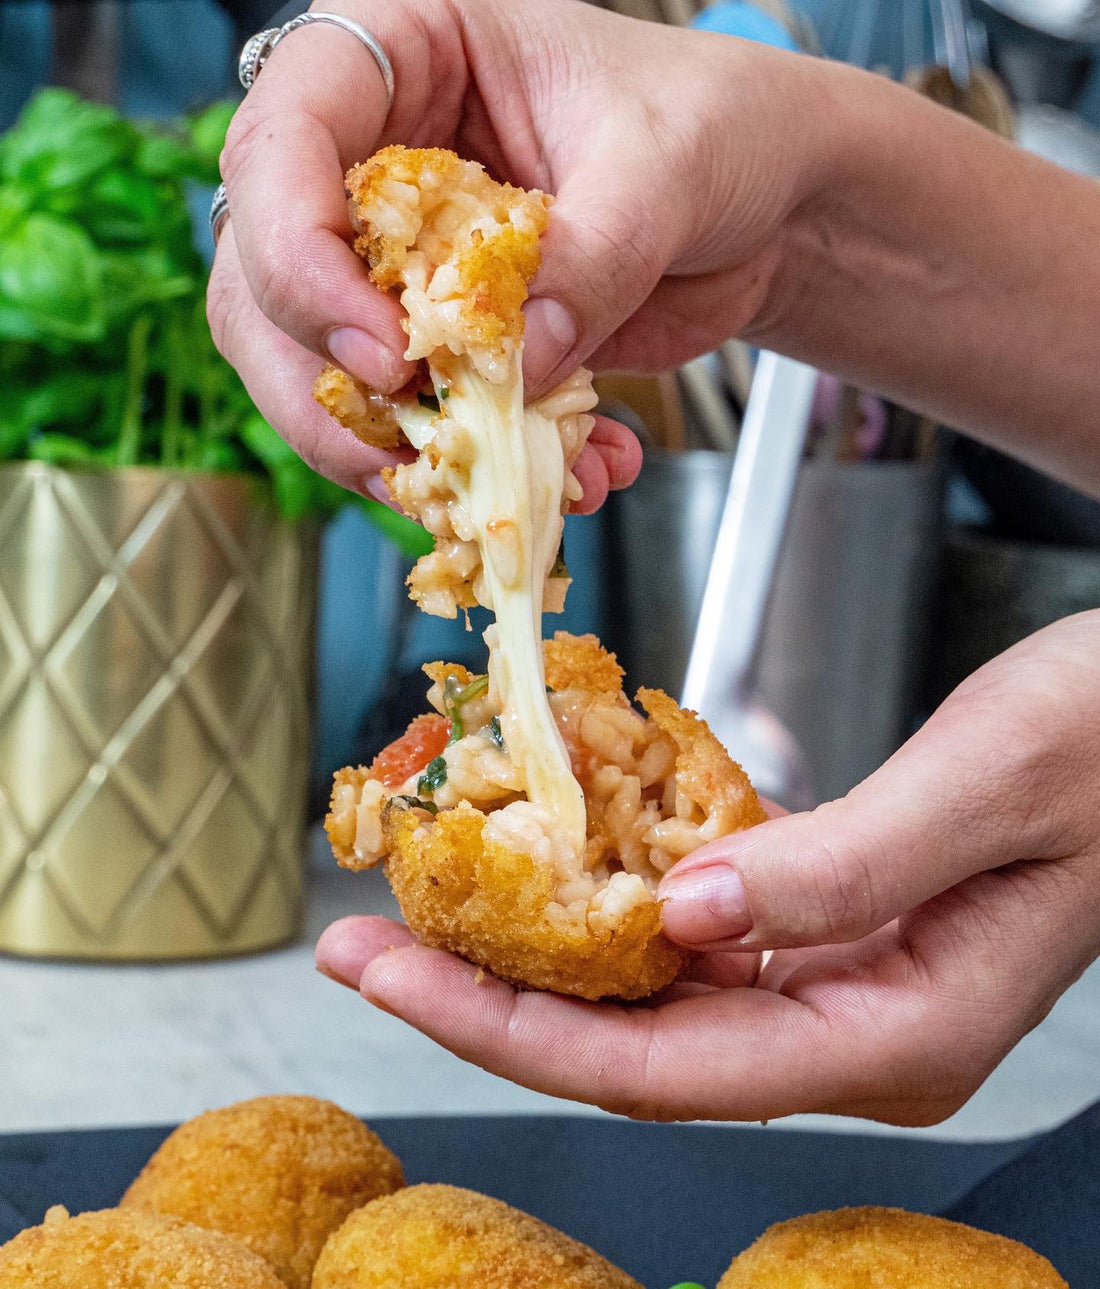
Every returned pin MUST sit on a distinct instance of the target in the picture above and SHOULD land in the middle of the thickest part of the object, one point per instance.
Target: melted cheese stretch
(511, 493)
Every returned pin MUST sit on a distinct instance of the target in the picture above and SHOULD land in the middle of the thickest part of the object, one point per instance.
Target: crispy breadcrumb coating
(581, 662)
(278, 1173)
(886, 1248)
(442, 1237)
(452, 213)
(368, 415)
(485, 877)
(497, 907)
(117, 1249)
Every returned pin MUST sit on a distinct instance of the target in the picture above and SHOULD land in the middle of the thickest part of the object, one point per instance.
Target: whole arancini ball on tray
(117, 1249)
(443, 1237)
(886, 1248)
(279, 1173)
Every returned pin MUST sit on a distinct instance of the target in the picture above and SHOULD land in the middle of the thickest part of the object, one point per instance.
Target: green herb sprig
(106, 357)
(456, 697)
(435, 776)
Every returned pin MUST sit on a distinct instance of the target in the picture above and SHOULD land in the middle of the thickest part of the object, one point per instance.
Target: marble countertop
(88, 1045)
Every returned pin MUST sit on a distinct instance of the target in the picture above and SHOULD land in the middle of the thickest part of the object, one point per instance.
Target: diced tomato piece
(422, 742)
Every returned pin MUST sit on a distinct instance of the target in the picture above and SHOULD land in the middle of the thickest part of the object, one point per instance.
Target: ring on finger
(258, 49)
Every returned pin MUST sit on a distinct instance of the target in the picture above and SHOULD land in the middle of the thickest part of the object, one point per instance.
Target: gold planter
(156, 654)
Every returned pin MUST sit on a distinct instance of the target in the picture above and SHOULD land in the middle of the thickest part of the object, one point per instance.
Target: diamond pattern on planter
(156, 635)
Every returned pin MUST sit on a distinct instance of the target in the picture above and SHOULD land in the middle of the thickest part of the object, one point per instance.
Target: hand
(659, 144)
(921, 926)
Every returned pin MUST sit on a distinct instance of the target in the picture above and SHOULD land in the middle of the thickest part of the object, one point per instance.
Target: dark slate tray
(666, 1202)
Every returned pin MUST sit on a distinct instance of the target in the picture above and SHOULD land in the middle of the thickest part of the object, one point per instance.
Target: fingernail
(364, 356)
(340, 953)
(550, 333)
(705, 906)
(330, 974)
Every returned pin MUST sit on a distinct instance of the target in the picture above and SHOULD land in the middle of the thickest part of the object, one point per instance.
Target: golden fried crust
(886, 1248)
(703, 766)
(277, 1173)
(494, 906)
(357, 408)
(581, 662)
(365, 184)
(441, 1237)
(340, 824)
(493, 273)
(115, 1249)
(493, 270)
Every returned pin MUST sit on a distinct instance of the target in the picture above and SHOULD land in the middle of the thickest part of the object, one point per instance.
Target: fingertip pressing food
(443, 1237)
(128, 1249)
(278, 1173)
(532, 839)
(888, 1248)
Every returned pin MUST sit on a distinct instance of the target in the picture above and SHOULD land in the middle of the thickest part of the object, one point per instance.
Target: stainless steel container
(994, 591)
(156, 635)
(841, 653)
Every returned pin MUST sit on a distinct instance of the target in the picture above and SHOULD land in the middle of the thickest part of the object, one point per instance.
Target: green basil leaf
(61, 140)
(61, 449)
(266, 443)
(65, 396)
(435, 776)
(219, 456)
(122, 206)
(14, 433)
(495, 734)
(50, 282)
(293, 491)
(135, 279)
(14, 204)
(208, 130)
(164, 155)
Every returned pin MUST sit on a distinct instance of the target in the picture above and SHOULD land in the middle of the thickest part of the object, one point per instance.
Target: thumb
(602, 255)
(954, 801)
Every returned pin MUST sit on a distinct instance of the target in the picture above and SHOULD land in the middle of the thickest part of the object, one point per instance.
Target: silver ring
(219, 212)
(258, 48)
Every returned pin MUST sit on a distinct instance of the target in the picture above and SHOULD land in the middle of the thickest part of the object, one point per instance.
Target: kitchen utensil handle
(750, 534)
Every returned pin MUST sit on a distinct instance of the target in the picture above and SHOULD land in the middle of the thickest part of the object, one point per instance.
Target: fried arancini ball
(497, 906)
(442, 1237)
(886, 1248)
(488, 877)
(278, 1173)
(117, 1249)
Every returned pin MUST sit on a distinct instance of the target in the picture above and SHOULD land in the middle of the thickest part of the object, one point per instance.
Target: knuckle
(841, 903)
(620, 248)
(275, 284)
(223, 307)
(242, 140)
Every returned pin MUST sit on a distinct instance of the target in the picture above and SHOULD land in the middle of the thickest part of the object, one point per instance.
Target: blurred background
(910, 557)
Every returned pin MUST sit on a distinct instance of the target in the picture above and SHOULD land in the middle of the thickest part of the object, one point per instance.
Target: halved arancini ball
(443, 1237)
(278, 1173)
(482, 872)
(886, 1248)
(119, 1249)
